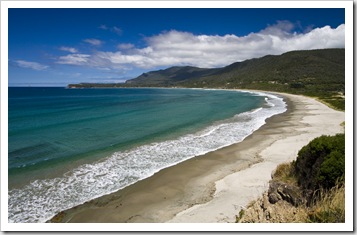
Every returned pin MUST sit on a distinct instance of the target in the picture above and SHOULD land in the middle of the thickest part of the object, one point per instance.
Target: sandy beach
(214, 187)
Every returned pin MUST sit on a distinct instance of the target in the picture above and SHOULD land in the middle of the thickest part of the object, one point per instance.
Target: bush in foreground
(321, 163)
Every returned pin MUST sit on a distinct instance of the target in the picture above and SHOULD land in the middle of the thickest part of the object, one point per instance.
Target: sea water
(68, 146)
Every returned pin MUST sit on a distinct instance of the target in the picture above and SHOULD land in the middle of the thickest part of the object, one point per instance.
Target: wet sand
(215, 186)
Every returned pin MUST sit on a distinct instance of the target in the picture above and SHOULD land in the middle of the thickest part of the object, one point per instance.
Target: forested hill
(172, 76)
(319, 73)
(313, 71)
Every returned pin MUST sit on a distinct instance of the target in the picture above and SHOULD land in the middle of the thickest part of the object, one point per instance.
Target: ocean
(68, 146)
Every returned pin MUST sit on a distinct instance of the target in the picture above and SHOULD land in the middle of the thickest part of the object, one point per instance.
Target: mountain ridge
(290, 67)
(171, 75)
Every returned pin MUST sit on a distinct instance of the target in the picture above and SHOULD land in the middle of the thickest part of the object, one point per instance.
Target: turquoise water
(68, 146)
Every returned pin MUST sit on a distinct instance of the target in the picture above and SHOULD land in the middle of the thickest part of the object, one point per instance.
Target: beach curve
(215, 186)
(235, 191)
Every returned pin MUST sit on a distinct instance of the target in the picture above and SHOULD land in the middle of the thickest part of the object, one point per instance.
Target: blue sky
(55, 47)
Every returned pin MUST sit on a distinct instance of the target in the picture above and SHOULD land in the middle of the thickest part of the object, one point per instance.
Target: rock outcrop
(282, 203)
(282, 191)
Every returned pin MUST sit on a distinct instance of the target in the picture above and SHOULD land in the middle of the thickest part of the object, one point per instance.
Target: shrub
(321, 163)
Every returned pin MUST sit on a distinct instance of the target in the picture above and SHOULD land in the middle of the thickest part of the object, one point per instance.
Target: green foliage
(337, 103)
(240, 216)
(326, 217)
(332, 169)
(297, 85)
(321, 163)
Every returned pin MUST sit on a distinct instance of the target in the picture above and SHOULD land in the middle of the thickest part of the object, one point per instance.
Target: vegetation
(314, 73)
(171, 76)
(321, 163)
(320, 168)
(285, 173)
(319, 172)
(329, 206)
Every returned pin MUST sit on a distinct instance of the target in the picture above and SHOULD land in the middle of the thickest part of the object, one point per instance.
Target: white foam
(42, 199)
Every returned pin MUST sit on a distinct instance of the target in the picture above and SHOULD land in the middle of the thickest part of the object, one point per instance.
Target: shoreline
(89, 181)
(211, 189)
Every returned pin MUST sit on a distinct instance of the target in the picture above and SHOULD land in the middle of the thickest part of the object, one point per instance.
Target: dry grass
(329, 206)
(284, 173)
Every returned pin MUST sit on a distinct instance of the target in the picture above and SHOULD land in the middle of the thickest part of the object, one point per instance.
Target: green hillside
(171, 76)
(308, 72)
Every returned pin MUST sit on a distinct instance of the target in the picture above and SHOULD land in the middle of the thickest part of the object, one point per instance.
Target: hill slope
(307, 71)
(304, 71)
(170, 76)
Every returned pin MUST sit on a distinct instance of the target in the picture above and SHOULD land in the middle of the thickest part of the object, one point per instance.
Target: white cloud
(282, 28)
(318, 38)
(116, 30)
(93, 41)
(113, 29)
(74, 59)
(69, 49)
(76, 74)
(103, 26)
(184, 48)
(125, 46)
(31, 65)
